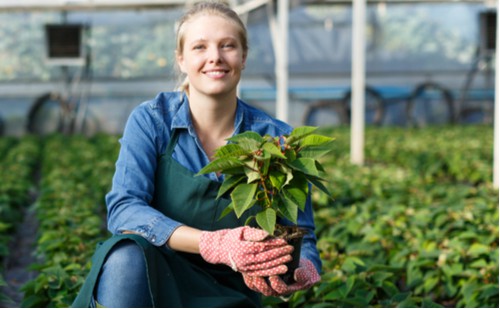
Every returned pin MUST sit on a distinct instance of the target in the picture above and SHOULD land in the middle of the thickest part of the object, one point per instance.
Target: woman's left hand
(305, 276)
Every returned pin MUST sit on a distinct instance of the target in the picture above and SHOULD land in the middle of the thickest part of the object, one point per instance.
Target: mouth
(216, 73)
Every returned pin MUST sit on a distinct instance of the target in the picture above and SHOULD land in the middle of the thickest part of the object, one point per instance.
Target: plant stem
(267, 199)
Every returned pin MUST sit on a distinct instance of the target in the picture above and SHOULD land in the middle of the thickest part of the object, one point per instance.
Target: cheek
(193, 64)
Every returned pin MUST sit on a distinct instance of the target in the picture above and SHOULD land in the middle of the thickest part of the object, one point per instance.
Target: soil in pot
(293, 235)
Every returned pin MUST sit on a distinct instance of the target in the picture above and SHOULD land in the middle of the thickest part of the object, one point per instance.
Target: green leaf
(229, 182)
(407, 303)
(274, 150)
(379, 277)
(251, 171)
(230, 150)
(346, 288)
(287, 171)
(299, 133)
(229, 209)
(316, 152)
(249, 220)
(243, 197)
(430, 283)
(219, 165)
(249, 140)
(333, 295)
(489, 291)
(277, 179)
(34, 301)
(316, 181)
(315, 140)
(428, 303)
(265, 163)
(290, 155)
(352, 263)
(390, 288)
(478, 264)
(239, 170)
(266, 219)
(477, 249)
(470, 292)
(288, 208)
(305, 165)
(296, 194)
(454, 269)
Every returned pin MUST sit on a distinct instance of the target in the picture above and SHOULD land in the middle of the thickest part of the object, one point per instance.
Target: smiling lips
(216, 73)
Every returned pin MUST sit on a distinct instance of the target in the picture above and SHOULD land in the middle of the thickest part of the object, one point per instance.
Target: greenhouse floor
(21, 256)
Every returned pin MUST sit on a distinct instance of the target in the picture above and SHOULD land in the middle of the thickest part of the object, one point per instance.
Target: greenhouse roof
(240, 5)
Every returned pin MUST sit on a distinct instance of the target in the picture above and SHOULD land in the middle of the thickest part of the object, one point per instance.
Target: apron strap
(172, 143)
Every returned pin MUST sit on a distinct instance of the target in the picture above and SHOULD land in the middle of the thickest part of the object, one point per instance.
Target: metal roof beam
(78, 5)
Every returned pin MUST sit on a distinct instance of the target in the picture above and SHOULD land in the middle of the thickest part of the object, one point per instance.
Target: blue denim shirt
(145, 137)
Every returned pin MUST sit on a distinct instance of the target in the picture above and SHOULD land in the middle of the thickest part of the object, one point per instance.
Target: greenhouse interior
(414, 223)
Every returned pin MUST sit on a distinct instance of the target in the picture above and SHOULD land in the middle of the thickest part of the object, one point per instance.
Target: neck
(213, 120)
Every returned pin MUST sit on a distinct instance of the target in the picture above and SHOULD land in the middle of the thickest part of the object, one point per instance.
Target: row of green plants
(17, 166)
(76, 174)
(417, 225)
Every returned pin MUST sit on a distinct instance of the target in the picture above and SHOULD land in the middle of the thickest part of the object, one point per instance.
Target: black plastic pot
(294, 236)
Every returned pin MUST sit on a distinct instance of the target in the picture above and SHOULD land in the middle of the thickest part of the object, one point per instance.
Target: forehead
(207, 27)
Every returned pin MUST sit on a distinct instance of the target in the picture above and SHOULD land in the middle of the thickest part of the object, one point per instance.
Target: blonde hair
(216, 8)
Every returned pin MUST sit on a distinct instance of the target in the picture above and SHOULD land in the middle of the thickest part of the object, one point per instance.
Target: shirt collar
(182, 119)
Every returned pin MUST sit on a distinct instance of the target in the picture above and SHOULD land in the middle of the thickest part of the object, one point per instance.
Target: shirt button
(153, 239)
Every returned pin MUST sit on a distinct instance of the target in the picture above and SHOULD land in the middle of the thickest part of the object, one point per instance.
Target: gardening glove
(305, 276)
(246, 249)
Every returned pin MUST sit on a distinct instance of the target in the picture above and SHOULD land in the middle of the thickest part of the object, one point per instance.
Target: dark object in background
(64, 44)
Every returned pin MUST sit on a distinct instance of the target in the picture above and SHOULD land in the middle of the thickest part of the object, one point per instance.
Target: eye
(198, 47)
(228, 45)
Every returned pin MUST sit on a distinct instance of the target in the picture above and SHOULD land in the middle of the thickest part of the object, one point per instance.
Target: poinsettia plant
(272, 173)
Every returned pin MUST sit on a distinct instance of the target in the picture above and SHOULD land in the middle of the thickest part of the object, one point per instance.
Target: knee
(126, 255)
(123, 281)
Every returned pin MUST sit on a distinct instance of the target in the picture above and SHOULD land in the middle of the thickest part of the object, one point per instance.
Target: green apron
(181, 279)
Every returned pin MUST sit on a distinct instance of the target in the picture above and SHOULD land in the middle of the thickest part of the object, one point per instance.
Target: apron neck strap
(173, 141)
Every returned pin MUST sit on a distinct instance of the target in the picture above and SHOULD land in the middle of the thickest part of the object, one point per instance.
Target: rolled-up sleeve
(129, 201)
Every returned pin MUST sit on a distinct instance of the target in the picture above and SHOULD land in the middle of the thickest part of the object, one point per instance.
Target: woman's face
(212, 56)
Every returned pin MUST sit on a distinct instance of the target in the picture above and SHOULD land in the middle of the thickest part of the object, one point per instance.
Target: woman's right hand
(247, 250)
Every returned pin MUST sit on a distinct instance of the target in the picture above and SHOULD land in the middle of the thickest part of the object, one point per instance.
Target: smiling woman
(169, 249)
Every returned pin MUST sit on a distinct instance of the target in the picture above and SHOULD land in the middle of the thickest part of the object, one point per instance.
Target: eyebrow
(205, 40)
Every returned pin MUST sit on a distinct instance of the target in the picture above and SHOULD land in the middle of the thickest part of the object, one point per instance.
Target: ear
(245, 57)
(180, 61)
(244, 60)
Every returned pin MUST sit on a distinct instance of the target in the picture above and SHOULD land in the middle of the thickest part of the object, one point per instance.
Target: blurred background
(427, 62)
(412, 223)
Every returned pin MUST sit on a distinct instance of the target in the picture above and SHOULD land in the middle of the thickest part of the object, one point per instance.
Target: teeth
(215, 72)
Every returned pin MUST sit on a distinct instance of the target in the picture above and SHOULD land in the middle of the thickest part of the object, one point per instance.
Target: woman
(168, 248)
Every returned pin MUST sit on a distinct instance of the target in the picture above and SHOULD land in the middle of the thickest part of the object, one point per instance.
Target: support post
(358, 82)
(281, 55)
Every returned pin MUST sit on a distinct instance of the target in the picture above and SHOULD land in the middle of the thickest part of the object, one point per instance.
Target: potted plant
(273, 173)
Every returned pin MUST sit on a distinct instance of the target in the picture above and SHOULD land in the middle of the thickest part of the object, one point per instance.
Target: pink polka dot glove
(305, 276)
(246, 250)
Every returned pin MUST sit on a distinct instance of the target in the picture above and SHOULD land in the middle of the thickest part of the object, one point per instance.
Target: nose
(214, 55)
